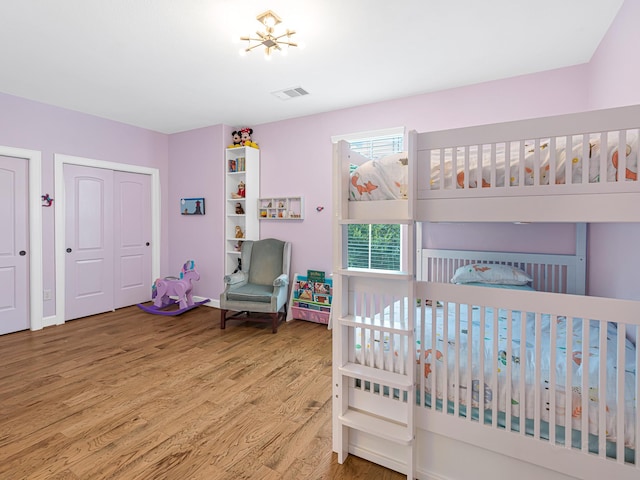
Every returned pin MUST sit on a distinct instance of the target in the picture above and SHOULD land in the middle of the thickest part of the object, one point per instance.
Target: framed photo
(192, 206)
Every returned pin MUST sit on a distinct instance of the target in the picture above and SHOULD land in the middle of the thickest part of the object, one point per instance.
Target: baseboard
(211, 303)
(50, 321)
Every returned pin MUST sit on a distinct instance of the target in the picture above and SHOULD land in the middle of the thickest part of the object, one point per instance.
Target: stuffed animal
(245, 137)
(239, 232)
(241, 191)
(239, 209)
(237, 139)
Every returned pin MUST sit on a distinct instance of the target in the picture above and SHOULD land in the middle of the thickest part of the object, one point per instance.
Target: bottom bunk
(529, 382)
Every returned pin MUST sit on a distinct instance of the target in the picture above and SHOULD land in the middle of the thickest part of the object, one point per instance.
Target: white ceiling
(173, 65)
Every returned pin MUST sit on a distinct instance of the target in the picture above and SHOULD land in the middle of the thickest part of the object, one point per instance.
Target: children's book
(311, 292)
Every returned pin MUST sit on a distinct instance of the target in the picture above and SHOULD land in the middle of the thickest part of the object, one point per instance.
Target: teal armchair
(262, 284)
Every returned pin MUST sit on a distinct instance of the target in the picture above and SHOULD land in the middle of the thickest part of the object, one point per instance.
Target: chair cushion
(266, 261)
(250, 292)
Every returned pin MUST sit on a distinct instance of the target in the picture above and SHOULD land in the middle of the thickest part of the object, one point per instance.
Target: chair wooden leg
(223, 319)
(275, 317)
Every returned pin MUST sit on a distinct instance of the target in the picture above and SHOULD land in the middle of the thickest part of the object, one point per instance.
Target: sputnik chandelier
(268, 39)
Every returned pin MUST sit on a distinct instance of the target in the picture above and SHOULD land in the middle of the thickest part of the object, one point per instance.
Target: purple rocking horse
(164, 288)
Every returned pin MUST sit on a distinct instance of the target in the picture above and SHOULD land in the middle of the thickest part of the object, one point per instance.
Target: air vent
(289, 93)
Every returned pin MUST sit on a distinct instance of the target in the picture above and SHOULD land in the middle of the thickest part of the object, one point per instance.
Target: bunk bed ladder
(374, 349)
(374, 392)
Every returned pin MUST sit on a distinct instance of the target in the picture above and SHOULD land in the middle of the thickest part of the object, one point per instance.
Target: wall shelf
(281, 208)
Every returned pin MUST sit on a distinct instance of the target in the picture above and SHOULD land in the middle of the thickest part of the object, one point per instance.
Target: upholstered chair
(262, 284)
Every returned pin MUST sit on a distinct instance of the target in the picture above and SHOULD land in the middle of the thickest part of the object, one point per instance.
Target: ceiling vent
(289, 93)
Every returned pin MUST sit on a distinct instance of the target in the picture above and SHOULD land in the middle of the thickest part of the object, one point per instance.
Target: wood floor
(129, 395)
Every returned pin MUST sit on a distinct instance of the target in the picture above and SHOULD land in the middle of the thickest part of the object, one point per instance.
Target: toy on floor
(164, 288)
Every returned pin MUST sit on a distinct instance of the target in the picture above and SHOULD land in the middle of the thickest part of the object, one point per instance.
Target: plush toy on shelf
(239, 232)
(237, 139)
(239, 209)
(245, 137)
(241, 191)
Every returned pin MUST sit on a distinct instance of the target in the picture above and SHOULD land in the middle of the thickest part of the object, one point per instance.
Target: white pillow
(491, 273)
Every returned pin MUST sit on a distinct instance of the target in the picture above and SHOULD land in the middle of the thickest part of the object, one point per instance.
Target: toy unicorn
(164, 288)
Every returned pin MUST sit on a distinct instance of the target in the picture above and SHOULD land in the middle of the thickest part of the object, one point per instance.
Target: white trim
(211, 303)
(385, 132)
(59, 162)
(49, 321)
(34, 158)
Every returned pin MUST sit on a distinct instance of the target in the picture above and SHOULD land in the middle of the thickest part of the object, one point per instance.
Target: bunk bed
(518, 373)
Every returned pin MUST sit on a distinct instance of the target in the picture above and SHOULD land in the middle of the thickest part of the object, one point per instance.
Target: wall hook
(319, 208)
(46, 200)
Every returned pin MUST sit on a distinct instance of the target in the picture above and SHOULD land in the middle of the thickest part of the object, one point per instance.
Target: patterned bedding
(384, 179)
(386, 353)
(508, 169)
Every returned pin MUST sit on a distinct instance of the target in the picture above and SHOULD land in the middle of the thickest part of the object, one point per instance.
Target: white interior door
(89, 284)
(132, 219)
(14, 242)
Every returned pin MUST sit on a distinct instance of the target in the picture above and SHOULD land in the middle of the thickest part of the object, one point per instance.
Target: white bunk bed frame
(375, 415)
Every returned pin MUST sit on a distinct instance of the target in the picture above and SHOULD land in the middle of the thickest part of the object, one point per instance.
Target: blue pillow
(491, 273)
(499, 285)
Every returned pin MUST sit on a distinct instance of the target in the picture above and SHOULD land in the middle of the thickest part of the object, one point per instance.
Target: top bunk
(563, 168)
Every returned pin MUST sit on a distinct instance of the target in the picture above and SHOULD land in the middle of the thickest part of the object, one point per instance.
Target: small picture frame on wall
(192, 206)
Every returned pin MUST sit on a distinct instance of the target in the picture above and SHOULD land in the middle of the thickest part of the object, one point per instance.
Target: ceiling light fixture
(268, 39)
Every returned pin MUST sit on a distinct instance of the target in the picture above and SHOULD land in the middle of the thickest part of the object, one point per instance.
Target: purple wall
(503, 237)
(196, 170)
(36, 126)
(614, 68)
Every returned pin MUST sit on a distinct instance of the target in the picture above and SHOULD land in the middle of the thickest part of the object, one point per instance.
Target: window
(376, 246)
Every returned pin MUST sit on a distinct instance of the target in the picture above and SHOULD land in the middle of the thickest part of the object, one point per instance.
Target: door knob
(147, 244)
(22, 253)
(68, 250)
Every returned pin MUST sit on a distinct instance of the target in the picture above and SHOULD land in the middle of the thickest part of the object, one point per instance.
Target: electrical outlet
(47, 295)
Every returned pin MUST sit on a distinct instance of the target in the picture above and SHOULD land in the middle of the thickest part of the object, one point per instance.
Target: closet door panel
(14, 243)
(132, 238)
(88, 241)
